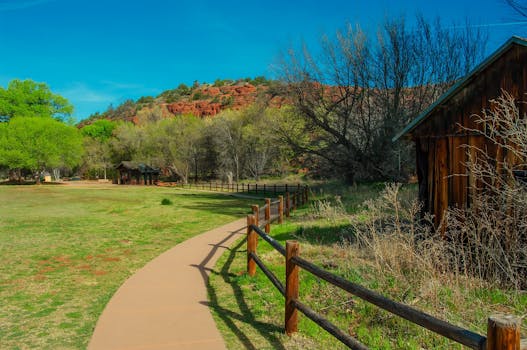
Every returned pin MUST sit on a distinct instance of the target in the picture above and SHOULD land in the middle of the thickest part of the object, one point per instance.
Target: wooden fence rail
(503, 331)
(256, 188)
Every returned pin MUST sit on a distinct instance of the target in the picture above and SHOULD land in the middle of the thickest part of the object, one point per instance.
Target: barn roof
(515, 40)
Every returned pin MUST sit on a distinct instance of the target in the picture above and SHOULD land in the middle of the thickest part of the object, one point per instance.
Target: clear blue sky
(97, 52)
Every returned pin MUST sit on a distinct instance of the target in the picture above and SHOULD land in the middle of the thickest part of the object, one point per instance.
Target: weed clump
(166, 201)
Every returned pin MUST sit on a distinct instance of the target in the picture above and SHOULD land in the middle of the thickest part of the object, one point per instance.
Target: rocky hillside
(200, 100)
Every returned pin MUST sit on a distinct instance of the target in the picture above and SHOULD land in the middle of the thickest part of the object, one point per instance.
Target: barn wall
(442, 138)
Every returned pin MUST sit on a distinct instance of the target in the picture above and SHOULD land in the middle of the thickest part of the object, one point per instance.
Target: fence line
(239, 187)
(503, 331)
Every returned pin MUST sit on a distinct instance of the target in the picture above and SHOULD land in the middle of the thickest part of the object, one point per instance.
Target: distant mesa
(203, 101)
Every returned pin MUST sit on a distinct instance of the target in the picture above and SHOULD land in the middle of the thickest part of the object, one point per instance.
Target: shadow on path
(266, 330)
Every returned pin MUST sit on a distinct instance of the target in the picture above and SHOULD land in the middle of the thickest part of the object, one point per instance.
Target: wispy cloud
(121, 86)
(9, 5)
(490, 25)
(79, 92)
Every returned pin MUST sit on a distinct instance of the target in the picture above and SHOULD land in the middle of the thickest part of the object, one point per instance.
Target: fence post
(503, 332)
(294, 201)
(256, 213)
(252, 238)
(287, 203)
(281, 209)
(286, 190)
(291, 287)
(256, 187)
(267, 215)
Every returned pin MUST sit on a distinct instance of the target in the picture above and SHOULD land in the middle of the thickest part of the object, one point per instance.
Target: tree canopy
(26, 98)
(36, 143)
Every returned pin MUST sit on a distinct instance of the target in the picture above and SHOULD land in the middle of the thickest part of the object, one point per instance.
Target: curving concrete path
(163, 305)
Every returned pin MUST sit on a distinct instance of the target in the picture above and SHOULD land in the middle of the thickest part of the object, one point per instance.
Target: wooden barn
(132, 173)
(440, 132)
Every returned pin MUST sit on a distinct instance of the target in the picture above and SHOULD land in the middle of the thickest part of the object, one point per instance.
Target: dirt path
(164, 305)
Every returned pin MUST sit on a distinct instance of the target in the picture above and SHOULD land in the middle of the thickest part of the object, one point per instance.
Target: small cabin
(441, 132)
(132, 173)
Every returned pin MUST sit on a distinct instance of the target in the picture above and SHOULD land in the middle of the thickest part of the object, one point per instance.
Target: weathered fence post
(287, 203)
(256, 213)
(291, 287)
(294, 201)
(281, 209)
(503, 332)
(267, 215)
(286, 190)
(252, 241)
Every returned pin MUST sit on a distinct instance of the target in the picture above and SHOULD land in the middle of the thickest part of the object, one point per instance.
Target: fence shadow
(228, 316)
(266, 330)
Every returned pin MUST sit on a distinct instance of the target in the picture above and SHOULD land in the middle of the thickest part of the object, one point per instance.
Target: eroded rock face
(198, 108)
(215, 99)
(208, 101)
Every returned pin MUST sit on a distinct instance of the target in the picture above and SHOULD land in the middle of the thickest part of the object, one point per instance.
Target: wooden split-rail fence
(254, 188)
(503, 331)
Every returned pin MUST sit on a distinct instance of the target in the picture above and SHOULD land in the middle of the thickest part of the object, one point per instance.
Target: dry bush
(331, 210)
(489, 239)
(486, 242)
(391, 237)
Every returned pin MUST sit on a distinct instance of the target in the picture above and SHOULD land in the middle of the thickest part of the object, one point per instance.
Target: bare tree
(358, 92)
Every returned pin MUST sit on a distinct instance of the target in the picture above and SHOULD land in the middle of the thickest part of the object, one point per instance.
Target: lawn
(66, 249)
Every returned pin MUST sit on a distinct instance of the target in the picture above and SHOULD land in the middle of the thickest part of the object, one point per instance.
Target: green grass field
(66, 249)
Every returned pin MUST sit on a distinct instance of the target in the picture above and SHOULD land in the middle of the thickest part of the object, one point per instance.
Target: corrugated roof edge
(460, 84)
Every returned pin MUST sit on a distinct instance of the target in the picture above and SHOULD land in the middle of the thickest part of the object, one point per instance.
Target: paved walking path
(163, 305)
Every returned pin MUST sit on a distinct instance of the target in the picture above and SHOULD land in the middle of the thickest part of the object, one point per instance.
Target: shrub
(166, 201)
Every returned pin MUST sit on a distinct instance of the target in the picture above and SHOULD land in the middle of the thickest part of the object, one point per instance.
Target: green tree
(26, 98)
(97, 144)
(38, 144)
(101, 129)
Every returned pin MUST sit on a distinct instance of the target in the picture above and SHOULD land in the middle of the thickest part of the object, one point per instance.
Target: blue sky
(97, 52)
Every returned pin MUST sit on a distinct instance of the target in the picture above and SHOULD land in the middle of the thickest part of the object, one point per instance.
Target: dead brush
(392, 239)
(331, 210)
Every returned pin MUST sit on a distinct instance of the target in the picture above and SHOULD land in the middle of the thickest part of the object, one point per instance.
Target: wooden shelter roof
(515, 40)
(141, 167)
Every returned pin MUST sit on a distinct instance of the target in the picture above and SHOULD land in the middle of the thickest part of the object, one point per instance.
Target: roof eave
(460, 84)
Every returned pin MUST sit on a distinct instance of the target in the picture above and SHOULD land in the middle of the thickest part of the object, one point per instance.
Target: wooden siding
(442, 138)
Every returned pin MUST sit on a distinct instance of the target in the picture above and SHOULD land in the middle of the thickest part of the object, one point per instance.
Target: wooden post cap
(503, 332)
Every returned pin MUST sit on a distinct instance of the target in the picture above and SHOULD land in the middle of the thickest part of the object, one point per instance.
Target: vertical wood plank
(281, 209)
(256, 213)
(251, 245)
(503, 332)
(287, 203)
(267, 215)
(292, 249)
